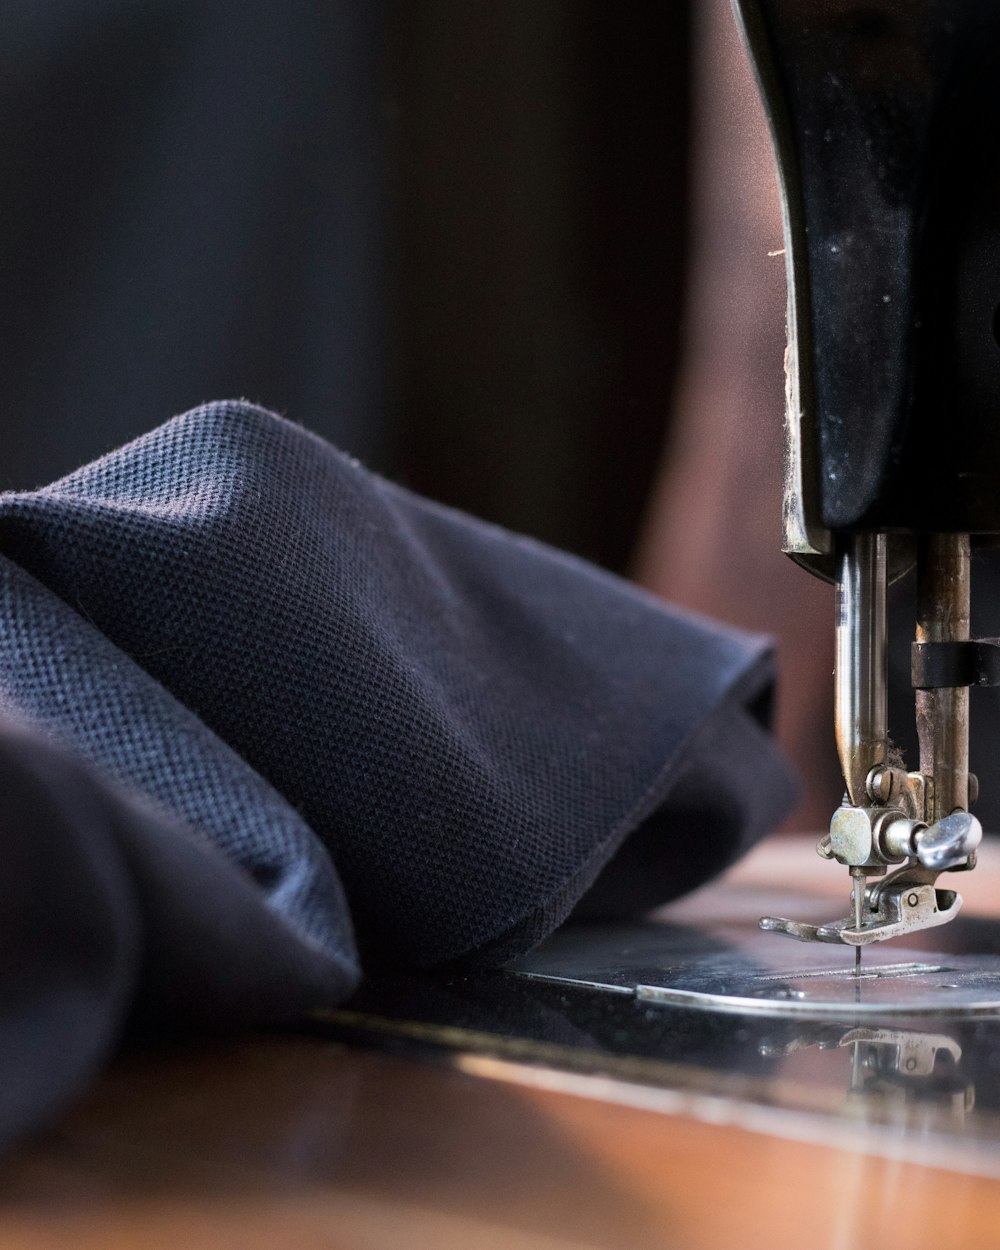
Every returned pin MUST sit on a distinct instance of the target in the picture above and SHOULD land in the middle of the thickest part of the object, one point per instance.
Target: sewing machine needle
(858, 884)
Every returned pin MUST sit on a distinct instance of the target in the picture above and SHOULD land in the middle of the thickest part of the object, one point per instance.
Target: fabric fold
(112, 913)
(268, 720)
(470, 725)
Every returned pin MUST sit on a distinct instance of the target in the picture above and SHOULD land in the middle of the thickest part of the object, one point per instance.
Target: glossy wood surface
(301, 1142)
(296, 1143)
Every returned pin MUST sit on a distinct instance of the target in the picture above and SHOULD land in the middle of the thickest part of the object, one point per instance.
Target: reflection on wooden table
(303, 1142)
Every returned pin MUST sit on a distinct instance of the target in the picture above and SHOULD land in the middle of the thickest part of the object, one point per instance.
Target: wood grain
(297, 1143)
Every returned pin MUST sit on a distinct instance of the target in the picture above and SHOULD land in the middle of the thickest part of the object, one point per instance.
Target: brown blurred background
(515, 255)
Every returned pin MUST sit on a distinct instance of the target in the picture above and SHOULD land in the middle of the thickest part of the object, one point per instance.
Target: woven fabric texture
(387, 727)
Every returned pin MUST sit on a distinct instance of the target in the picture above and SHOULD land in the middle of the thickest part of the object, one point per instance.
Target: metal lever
(948, 842)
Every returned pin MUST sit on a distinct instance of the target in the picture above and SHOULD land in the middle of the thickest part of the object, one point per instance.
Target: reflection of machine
(906, 1077)
(900, 1076)
(885, 118)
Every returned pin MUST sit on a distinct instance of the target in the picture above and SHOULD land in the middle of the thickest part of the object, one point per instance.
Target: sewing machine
(881, 114)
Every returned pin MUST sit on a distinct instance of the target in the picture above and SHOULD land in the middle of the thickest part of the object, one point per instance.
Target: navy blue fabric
(372, 723)
(112, 913)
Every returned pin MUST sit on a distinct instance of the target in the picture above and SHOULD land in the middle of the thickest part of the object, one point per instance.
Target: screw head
(879, 784)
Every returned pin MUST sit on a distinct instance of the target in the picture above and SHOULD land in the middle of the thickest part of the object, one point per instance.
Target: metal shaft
(860, 661)
(858, 900)
(943, 597)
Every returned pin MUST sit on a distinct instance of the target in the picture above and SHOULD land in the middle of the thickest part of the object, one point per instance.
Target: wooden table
(305, 1142)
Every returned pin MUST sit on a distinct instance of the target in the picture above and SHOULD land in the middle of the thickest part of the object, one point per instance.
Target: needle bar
(860, 660)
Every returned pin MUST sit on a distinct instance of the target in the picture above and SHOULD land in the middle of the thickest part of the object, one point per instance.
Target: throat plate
(658, 964)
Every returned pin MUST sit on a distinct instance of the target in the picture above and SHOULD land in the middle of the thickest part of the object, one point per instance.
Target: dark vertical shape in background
(192, 205)
(445, 234)
(540, 158)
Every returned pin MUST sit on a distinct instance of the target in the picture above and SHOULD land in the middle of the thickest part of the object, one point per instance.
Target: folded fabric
(280, 701)
(111, 911)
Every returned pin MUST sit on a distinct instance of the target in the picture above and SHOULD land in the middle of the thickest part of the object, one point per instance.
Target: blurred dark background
(523, 257)
(449, 235)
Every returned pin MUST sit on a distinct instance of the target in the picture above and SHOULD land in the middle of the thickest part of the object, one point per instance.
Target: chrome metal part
(910, 987)
(893, 787)
(851, 835)
(803, 932)
(858, 895)
(889, 816)
(860, 661)
(949, 841)
(907, 1052)
(911, 1072)
(671, 964)
(883, 783)
(901, 1052)
(895, 835)
(895, 905)
(871, 837)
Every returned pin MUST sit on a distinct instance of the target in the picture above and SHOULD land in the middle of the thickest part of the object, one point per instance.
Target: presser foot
(895, 905)
(867, 840)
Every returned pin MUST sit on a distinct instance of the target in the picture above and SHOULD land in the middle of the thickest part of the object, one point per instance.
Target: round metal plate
(953, 985)
(766, 976)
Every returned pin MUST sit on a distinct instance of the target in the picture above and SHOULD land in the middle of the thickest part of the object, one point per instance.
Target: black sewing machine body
(886, 117)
